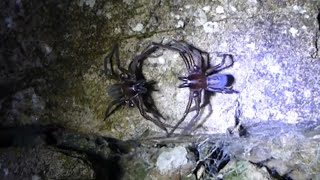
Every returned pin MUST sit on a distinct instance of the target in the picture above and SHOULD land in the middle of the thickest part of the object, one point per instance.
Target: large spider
(132, 88)
(201, 76)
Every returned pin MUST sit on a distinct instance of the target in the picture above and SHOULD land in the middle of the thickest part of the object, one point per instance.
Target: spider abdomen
(217, 81)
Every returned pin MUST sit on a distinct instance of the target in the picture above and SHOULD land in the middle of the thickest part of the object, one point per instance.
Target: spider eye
(195, 94)
(196, 68)
(124, 75)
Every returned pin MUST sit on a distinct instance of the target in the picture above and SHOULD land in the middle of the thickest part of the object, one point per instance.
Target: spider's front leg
(138, 60)
(117, 58)
(196, 96)
(221, 66)
(197, 107)
(112, 107)
(109, 65)
(226, 90)
(193, 56)
(139, 103)
(108, 62)
(182, 49)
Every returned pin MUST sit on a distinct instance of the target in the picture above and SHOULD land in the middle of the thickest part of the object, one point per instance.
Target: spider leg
(108, 61)
(151, 107)
(207, 95)
(190, 60)
(117, 58)
(195, 57)
(187, 51)
(197, 101)
(137, 60)
(139, 103)
(186, 62)
(153, 110)
(186, 112)
(221, 66)
(206, 59)
(194, 54)
(172, 46)
(206, 100)
(113, 106)
(191, 55)
(226, 90)
(207, 116)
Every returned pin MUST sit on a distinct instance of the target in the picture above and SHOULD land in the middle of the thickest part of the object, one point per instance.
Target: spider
(202, 78)
(132, 87)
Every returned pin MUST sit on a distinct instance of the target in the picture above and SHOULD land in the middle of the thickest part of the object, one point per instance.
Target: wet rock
(172, 159)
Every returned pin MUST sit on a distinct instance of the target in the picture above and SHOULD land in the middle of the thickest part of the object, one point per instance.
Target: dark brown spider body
(126, 91)
(194, 81)
(202, 79)
(132, 87)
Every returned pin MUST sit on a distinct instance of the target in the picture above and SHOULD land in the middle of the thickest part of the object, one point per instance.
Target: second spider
(132, 88)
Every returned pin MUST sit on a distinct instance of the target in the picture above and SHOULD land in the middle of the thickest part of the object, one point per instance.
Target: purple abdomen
(219, 81)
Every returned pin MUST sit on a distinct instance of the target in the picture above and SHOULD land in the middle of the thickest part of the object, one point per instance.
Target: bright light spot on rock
(316, 137)
(219, 10)
(47, 48)
(201, 17)
(274, 69)
(208, 27)
(188, 6)
(292, 117)
(9, 21)
(161, 60)
(89, 3)
(299, 9)
(289, 97)
(180, 24)
(172, 160)
(293, 31)
(129, 2)
(251, 45)
(176, 56)
(296, 8)
(138, 27)
(253, 1)
(236, 65)
(304, 27)
(264, 115)
(117, 30)
(206, 8)
(307, 93)
(109, 15)
(6, 171)
(234, 9)
(35, 177)
(249, 113)
(279, 116)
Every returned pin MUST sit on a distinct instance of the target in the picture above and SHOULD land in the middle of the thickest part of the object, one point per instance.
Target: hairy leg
(220, 66)
(112, 107)
(186, 112)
